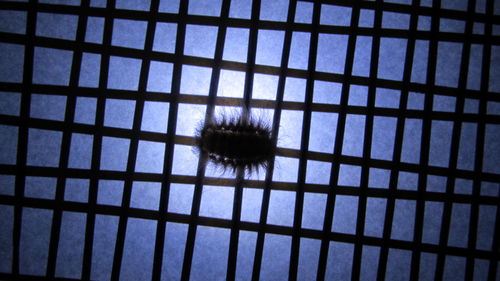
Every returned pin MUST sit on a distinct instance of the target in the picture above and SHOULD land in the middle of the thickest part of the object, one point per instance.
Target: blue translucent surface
(145, 195)
(49, 107)
(110, 192)
(246, 249)
(211, 244)
(40, 187)
(6, 228)
(56, 26)
(369, 262)
(276, 256)
(51, 66)
(89, 73)
(281, 208)
(398, 264)
(200, 7)
(173, 254)
(150, 156)
(339, 261)
(236, 44)
(129, 33)
(44, 147)
(269, 47)
(8, 139)
(314, 210)
(10, 103)
(200, 41)
(71, 243)
(123, 73)
(114, 153)
(217, 202)
(13, 21)
(164, 39)
(34, 245)
(104, 245)
(331, 53)
(76, 190)
(138, 250)
(308, 258)
(345, 213)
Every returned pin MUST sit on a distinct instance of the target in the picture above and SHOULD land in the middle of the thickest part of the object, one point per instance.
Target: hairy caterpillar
(234, 142)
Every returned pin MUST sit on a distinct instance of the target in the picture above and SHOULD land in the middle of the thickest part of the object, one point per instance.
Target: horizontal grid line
(252, 226)
(161, 16)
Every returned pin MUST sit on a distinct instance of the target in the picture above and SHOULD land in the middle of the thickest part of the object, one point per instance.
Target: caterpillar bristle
(238, 141)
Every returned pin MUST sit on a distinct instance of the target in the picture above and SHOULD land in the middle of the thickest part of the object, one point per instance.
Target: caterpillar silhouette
(236, 142)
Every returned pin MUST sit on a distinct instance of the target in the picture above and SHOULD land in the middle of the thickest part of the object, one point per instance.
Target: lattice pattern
(386, 115)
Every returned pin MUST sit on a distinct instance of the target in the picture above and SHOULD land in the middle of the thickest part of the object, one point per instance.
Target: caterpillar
(236, 142)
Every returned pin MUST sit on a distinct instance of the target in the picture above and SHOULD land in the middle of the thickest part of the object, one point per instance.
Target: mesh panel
(385, 114)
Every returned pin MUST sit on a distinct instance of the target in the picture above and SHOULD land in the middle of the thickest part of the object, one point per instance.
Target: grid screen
(385, 114)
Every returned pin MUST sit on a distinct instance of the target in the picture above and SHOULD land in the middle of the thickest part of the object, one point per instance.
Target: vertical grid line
(97, 142)
(170, 142)
(247, 94)
(424, 147)
(431, 71)
(66, 143)
(452, 163)
(367, 144)
(485, 70)
(493, 262)
(454, 153)
(134, 143)
(339, 137)
(478, 165)
(398, 139)
(22, 142)
(304, 144)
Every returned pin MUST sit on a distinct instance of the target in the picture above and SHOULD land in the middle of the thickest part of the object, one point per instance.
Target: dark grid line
(199, 100)
(169, 147)
(248, 226)
(251, 55)
(425, 140)
(451, 181)
(339, 137)
(246, 109)
(275, 129)
(352, 191)
(134, 144)
(268, 25)
(493, 263)
(96, 146)
(453, 160)
(486, 66)
(65, 147)
(344, 190)
(398, 144)
(238, 189)
(206, 20)
(22, 142)
(421, 196)
(367, 144)
(315, 188)
(478, 164)
(306, 122)
(426, 137)
(195, 206)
